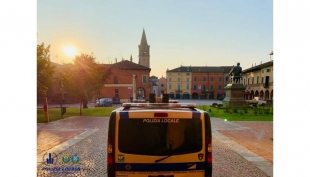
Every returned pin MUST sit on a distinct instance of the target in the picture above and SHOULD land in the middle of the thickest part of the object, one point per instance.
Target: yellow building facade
(179, 83)
(259, 81)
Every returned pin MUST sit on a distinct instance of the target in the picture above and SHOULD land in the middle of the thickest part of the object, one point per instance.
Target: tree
(85, 78)
(45, 70)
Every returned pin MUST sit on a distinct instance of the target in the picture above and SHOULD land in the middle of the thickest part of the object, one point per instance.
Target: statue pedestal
(234, 95)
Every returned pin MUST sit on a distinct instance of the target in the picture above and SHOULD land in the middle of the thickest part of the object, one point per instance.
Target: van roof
(159, 105)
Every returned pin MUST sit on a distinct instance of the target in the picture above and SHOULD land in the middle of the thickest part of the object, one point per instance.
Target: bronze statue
(237, 73)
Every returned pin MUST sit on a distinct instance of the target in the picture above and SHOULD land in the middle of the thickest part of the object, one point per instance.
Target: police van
(159, 140)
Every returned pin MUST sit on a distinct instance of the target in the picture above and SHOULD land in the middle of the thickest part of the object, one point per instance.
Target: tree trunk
(81, 108)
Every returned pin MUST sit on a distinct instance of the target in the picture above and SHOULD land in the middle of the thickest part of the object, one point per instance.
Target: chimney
(115, 60)
(131, 58)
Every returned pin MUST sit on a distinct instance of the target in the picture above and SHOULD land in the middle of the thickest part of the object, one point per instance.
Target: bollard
(45, 106)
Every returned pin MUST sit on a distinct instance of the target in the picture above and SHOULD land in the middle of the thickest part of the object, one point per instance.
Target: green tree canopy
(85, 78)
(45, 70)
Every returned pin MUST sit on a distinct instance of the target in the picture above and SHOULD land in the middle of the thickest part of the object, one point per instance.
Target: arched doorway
(261, 94)
(171, 95)
(195, 95)
(140, 93)
(267, 95)
(256, 94)
(177, 96)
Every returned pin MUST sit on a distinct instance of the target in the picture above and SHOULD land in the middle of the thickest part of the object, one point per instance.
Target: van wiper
(161, 159)
(172, 152)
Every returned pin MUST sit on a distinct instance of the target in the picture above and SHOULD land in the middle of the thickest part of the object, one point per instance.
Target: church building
(129, 80)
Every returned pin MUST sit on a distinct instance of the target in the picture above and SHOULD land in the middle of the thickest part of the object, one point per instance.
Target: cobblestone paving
(259, 139)
(50, 138)
(227, 163)
(92, 149)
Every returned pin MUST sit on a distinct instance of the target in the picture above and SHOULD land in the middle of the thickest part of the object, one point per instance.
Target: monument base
(234, 96)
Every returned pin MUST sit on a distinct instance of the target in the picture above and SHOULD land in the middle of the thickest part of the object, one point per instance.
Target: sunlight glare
(70, 51)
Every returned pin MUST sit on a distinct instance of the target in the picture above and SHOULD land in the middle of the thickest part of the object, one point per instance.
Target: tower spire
(143, 39)
(144, 51)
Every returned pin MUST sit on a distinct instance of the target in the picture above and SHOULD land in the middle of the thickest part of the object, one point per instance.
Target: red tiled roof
(128, 65)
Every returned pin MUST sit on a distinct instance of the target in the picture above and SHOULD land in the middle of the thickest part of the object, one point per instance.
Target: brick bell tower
(144, 52)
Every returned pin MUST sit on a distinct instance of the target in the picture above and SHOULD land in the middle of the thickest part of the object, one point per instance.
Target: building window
(268, 70)
(169, 86)
(178, 74)
(252, 80)
(204, 78)
(187, 74)
(211, 78)
(169, 79)
(220, 87)
(195, 79)
(204, 87)
(244, 81)
(194, 87)
(178, 79)
(179, 87)
(162, 85)
(211, 87)
(144, 80)
(262, 71)
(226, 78)
(262, 80)
(220, 79)
(187, 79)
(169, 74)
(257, 80)
(115, 80)
(187, 86)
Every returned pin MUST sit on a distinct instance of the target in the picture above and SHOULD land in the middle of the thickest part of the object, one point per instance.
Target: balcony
(178, 90)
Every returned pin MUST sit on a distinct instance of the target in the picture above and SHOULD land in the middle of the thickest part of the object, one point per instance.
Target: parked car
(103, 102)
(257, 101)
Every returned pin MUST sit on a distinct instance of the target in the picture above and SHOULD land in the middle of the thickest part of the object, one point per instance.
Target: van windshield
(159, 137)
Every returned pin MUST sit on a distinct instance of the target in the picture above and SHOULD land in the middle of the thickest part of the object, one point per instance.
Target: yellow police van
(159, 140)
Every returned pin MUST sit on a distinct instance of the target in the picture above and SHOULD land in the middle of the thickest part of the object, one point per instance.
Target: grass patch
(261, 113)
(55, 113)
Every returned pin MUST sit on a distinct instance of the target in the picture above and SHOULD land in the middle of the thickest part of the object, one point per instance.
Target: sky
(179, 32)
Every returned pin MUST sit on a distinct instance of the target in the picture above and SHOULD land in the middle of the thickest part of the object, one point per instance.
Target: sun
(70, 51)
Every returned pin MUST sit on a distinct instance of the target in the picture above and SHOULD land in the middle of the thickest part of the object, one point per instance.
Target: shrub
(214, 104)
(235, 110)
(255, 111)
(245, 108)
